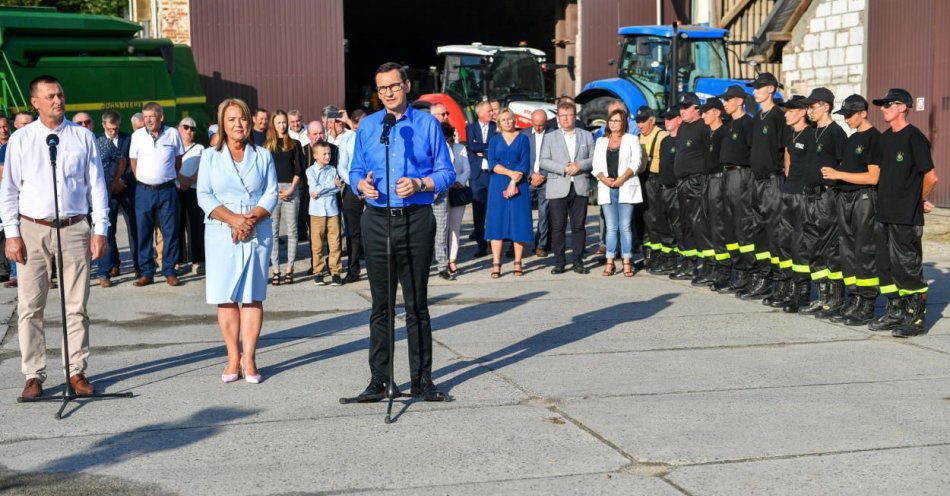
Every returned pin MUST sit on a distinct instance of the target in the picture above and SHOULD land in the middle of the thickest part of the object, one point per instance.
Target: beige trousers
(33, 286)
(325, 230)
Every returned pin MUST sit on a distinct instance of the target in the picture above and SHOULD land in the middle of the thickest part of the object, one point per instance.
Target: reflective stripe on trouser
(766, 215)
(715, 218)
(856, 242)
(819, 248)
(899, 259)
(737, 216)
(658, 216)
(691, 192)
(788, 238)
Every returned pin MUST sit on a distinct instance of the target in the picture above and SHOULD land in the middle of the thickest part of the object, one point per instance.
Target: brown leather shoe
(173, 281)
(143, 281)
(33, 389)
(114, 272)
(80, 385)
(538, 252)
(105, 282)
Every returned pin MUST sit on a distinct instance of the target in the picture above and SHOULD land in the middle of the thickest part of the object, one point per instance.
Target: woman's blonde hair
(271, 141)
(503, 111)
(245, 113)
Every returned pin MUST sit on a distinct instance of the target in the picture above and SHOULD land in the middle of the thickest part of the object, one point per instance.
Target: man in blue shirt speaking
(419, 168)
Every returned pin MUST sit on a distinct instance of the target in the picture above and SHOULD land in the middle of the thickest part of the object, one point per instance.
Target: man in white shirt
(352, 205)
(535, 134)
(191, 220)
(295, 128)
(29, 217)
(155, 154)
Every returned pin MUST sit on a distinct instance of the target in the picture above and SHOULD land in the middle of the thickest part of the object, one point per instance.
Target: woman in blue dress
(237, 189)
(508, 215)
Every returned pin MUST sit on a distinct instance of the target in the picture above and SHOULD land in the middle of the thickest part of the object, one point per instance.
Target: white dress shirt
(345, 143)
(538, 137)
(189, 162)
(27, 186)
(155, 157)
(484, 127)
(301, 138)
(571, 140)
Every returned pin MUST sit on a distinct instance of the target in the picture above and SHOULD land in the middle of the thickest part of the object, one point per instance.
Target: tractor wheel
(594, 112)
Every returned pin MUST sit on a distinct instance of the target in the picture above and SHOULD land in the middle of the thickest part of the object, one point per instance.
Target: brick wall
(827, 49)
(175, 20)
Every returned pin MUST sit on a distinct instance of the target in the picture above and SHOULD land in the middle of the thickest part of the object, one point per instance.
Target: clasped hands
(242, 226)
(572, 169)
(405, 187)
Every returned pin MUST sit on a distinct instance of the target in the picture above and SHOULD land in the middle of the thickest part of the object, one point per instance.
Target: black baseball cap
(733, 91)
(852, 105)
(795, 102)
(643, 114)
(764, 79)
(671, 113)
(688, 99)
(895, 95)
(712, 103)
(821, 95)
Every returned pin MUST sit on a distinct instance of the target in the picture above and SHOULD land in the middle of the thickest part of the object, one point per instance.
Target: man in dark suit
(539, 177)
(121, 197)
(478, 134)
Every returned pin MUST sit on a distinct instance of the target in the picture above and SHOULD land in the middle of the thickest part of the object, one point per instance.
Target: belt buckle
(396, 211)
(55, 222)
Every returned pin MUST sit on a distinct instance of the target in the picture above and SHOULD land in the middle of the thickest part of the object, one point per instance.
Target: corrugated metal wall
(907, 48)
(743, 28)
(276, 54)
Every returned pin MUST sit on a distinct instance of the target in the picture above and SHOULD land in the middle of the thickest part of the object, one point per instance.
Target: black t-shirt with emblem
(716, 138)
(667, 172)
(904, 158)
(831, 141)
(768, 142)
(801, 151)
(857, 155)
(738, 140)
(692, 147)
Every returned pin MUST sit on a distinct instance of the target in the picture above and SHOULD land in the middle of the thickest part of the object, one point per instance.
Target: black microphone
(52, 140)
(388, 122)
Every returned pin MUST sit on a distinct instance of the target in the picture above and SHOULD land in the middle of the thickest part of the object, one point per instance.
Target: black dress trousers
(573, 207)
(352, 207)
(413, 241)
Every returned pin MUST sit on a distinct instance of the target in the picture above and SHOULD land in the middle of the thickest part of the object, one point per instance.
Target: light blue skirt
(236, 272)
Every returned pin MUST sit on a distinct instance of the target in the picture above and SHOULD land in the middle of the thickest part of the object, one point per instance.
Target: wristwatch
(422, 186)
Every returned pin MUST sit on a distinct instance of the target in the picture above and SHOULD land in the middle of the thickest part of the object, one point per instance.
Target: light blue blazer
(236, 272)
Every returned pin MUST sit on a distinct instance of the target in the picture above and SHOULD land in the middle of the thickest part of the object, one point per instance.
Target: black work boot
(723, 279)
(915, 317)
(684, 271)
(423, 387)
(798, 298)
(893, 315)
(760, 287)
(664, 264)
(781, 290)
(742, 280)
(863, 312)
(846, 311)
(706, 275)
(836, 301)
(376, 390)
(824, 294)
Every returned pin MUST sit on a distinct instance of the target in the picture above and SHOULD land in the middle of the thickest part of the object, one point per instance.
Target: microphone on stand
(52, 140)
(388, 122)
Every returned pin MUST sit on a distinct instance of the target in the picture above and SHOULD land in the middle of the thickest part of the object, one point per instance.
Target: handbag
(460, 197)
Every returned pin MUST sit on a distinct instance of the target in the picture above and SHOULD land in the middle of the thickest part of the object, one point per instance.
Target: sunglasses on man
(187, 128)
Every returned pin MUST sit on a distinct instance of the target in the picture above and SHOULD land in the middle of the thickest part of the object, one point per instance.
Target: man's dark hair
(448, 131)
(153, 107)
(357, 115)
(44, 79)
(111, 116)
(22, 112)
(261, 110)
(393, 66)
(567, 105)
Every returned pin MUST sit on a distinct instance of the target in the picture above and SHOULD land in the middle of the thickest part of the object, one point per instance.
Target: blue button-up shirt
(322, 181)
(417, 149)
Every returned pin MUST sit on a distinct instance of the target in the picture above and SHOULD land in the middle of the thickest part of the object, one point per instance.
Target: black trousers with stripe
(736, 213)
(820, 234)
(787, 238)
(899, 259)
(691, 192)
(716, 219)
(767, 212)
(856, 242)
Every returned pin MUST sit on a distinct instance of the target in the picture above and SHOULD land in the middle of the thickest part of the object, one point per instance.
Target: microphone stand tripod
(68, 393)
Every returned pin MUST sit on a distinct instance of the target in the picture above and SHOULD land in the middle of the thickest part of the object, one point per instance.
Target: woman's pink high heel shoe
(226, 378)
(250, 379)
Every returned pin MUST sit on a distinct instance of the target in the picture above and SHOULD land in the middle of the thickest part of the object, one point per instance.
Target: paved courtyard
(564, 385)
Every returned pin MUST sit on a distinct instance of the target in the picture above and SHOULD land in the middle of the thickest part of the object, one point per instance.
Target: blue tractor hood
(709, 87)
(694, 32)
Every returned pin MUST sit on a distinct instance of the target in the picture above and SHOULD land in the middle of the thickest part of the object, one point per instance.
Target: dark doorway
(409, 32)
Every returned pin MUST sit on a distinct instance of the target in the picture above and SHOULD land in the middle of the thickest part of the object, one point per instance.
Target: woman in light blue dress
(237, 189)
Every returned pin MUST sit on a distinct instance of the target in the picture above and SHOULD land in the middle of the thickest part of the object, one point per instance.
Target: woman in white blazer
(616, 162)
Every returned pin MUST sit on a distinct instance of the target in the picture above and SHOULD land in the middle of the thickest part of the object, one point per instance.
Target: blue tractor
(649, 75)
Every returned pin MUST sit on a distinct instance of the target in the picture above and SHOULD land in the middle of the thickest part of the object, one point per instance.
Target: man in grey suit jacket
(535, 134)
(566, 156)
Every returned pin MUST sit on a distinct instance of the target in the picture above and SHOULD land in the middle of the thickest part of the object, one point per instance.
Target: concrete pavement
(564, 384)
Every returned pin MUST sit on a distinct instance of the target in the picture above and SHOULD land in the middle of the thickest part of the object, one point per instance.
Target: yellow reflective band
(868, 282)
(775, 260)
(185, 100)
(784, 264)
(95, 106)
(746, 248)
(689, 253)
(763, 255)
(732, 246)
(666, 249)
(708, 253)
(890, 288)
(821, 274)
(834, 276)
(803, 269)
(677, 250)
(850, 281)
(723, 256)
(905, 292)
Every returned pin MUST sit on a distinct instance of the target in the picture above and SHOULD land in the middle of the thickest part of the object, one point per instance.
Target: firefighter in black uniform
(793, 285)
(715, 254)
(766, 157)
(651, 135)
(736, 209)
(907, 178)
(820, 227)
(692, 147)
(856, 208)
(664, 212)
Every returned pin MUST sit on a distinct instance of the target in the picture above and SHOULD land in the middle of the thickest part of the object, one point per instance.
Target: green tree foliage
(109, 7)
